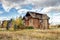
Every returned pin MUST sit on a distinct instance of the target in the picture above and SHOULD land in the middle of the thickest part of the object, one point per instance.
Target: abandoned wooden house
(36, 20)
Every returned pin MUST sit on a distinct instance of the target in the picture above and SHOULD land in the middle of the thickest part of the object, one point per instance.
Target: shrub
(58, 26)
(7, 28)
(15, 27)
(22, 27)
(29, 27)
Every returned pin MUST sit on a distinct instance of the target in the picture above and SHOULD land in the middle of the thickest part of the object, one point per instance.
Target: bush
(29, 27)
(22, 27)
(7, 28)
(15, 27)
(58, 26)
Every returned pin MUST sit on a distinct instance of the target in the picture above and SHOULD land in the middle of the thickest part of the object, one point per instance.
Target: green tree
(5, 23)
(10, 24)
(13, 23)
(19, 22)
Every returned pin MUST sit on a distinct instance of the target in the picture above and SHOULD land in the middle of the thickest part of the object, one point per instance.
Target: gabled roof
(36, 15)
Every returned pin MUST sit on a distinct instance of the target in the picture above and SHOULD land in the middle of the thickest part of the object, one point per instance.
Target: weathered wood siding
(26, 22)
(35, 23)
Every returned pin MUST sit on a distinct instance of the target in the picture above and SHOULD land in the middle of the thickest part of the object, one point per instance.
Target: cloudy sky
(15, 8)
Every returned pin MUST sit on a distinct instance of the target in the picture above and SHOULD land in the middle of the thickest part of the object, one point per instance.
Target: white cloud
(56, 19)
(51, 9)
(3, 18)
(22, 11)
(8, 4)
(26, 10)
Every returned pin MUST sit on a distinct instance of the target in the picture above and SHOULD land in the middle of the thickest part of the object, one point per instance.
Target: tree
(10, 24)
(19, 22)
(13, 22)
(4, 23)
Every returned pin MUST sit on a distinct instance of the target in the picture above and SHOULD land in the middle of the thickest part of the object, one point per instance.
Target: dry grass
(32, 34)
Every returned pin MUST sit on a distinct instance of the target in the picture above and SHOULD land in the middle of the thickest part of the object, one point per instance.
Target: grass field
(30, 34)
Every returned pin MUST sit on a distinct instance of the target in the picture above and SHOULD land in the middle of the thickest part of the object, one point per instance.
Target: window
(31, 22)
(41, 21)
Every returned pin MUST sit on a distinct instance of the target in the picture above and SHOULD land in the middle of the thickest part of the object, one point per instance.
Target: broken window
(41, 21)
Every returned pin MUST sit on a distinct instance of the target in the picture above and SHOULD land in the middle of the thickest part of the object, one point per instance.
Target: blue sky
(15, 8)
(8, 15)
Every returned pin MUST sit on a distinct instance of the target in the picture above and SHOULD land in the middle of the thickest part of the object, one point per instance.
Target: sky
(15, 8)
